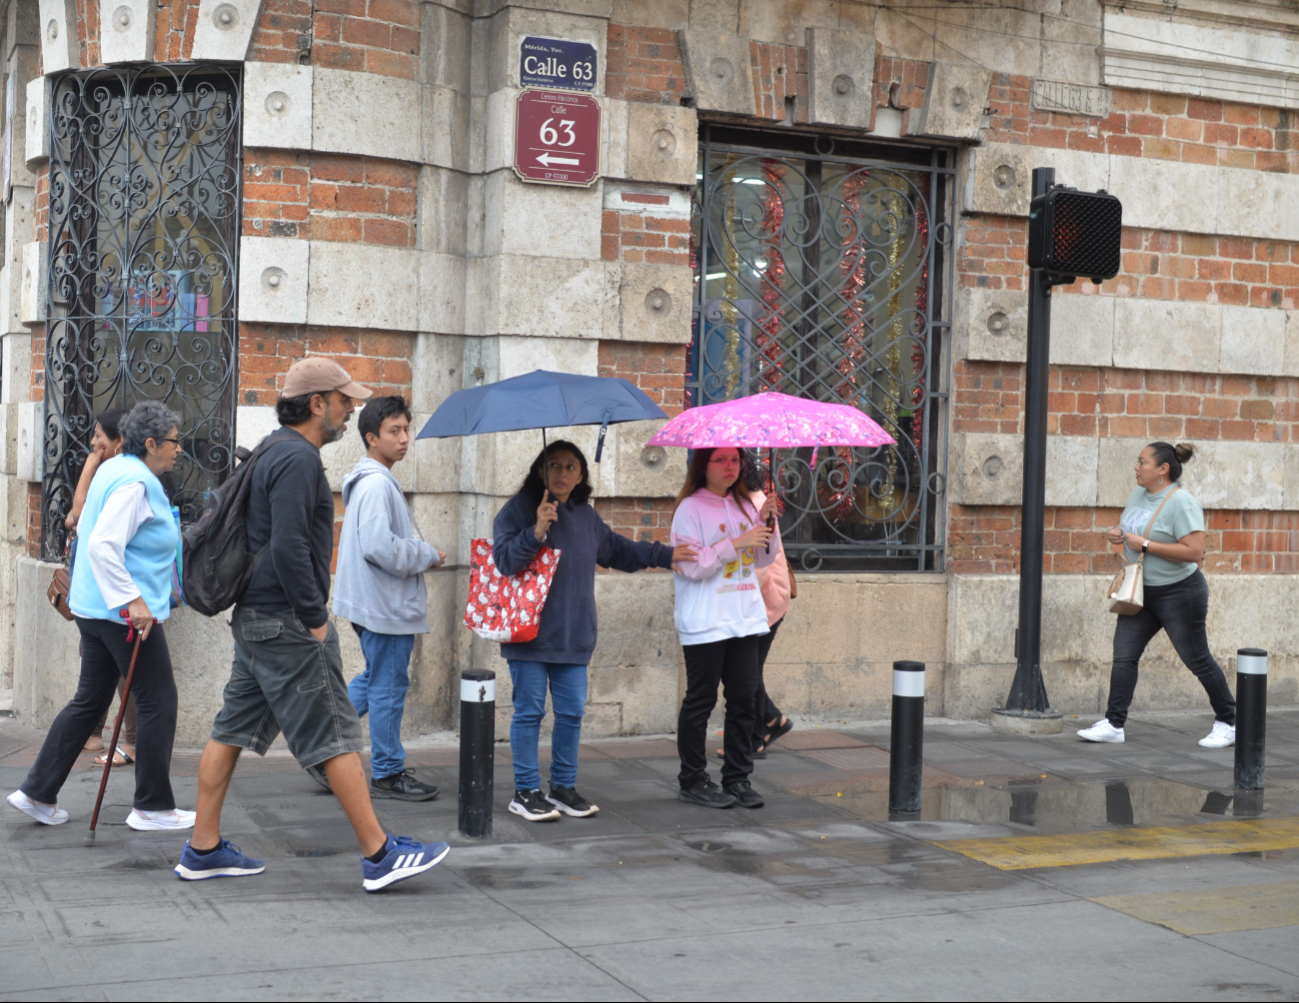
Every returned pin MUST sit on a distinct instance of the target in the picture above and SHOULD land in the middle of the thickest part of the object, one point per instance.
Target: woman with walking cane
(105, 443)
(125, 553)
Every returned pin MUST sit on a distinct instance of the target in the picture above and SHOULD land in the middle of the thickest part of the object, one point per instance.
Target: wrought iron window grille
(142, 269)
(823, 270)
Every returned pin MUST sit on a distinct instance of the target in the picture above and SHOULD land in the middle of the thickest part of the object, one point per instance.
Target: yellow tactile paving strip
(1011, 853)
(1214, 910)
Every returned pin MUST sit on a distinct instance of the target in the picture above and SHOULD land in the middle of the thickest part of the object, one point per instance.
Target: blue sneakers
(406, 857)
(224, 862)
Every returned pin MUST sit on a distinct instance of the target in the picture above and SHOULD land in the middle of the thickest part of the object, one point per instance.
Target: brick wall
(174, 25)
(1131, 403)
(630, 236)
(644, 64)
(33, 538)
(1144, 124)
(377, 36)
(985, 540)
(659, 370)
(283, 32)
(326, 196)
(637, 518)
(1156, 264)
(379, 360)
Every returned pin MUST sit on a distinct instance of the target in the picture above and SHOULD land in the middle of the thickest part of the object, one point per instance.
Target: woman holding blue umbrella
(552, 507)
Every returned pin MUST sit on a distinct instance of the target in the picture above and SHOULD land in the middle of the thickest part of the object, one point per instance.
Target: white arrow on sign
(546, 159)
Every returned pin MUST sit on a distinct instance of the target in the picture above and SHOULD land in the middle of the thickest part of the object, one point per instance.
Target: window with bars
(142, 269)
(823, 270)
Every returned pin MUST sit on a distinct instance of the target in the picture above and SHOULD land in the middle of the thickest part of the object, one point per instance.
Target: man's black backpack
(218, 565)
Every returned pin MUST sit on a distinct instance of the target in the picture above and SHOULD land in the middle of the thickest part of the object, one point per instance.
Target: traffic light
(1072, 233)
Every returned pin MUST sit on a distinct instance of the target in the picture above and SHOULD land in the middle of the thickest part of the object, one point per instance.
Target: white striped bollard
(907, 736)
(477, 751)
(1251, 717)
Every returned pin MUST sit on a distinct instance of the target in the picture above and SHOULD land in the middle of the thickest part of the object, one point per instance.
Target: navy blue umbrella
(541, 399)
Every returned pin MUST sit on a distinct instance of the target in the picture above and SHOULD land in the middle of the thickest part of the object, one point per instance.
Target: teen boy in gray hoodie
(379, 586)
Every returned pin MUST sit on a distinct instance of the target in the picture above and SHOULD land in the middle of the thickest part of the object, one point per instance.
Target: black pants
(105, 658)
(764, 709)
(734, 664)
(1179, 610)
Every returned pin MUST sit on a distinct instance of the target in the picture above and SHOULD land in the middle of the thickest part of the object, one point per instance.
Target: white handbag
(1126, 594)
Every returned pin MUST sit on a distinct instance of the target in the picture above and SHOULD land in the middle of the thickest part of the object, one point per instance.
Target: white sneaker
(1222, 735)
(45, 813)
(1102, 731)
(147, 821)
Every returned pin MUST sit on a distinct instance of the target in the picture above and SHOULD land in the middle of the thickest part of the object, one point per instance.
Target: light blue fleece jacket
(379, 582)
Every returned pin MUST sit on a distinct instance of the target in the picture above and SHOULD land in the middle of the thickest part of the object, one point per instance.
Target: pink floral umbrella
(771, 421)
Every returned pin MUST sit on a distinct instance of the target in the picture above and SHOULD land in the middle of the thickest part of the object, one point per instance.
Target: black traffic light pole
(1028, 701)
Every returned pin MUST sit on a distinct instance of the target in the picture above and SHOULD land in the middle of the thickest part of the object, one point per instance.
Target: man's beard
(329, 432)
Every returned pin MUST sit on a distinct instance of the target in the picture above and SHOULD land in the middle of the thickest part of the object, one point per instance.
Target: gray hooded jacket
(379, 583)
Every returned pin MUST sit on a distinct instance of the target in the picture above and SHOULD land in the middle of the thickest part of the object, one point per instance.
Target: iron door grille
(823, 270)
(142, 269)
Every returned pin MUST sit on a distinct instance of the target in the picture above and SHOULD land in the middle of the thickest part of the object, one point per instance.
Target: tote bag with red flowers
(507, 609)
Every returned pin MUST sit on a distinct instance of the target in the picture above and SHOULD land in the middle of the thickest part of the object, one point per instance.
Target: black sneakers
(533, 806)
(744, 794)
(706, 793)
(567, 800)
(402, 787)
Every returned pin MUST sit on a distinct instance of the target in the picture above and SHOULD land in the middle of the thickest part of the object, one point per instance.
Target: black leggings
(1179, 610)
(105, 657)
(734, 664)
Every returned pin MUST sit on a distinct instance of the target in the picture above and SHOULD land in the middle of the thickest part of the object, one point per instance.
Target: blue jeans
(381, 690)
(568, 701)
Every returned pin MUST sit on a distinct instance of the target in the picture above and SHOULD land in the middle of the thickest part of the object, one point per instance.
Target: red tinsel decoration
(767, 340)
(918, 349)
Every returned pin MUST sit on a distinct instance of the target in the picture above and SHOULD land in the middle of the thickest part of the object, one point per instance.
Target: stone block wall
(383, 226)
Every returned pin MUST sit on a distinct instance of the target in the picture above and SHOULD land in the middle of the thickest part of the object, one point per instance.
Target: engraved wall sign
(1070, 99)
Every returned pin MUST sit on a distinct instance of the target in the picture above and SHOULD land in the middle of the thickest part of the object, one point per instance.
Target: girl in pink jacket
(721, 618)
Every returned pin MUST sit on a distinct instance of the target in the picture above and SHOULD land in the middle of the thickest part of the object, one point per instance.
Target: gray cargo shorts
(284, 680)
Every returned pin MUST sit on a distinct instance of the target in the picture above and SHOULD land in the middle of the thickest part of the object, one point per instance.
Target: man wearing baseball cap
(288, 671)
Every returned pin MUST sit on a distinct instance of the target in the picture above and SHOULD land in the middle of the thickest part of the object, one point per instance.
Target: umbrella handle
(599, 445)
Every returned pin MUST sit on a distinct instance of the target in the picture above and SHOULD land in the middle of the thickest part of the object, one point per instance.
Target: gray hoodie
(379, 582)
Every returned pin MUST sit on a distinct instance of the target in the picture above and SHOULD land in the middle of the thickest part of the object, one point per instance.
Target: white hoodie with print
(718, 594)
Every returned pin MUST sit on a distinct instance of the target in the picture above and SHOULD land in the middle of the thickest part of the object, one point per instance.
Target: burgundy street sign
(557, 138)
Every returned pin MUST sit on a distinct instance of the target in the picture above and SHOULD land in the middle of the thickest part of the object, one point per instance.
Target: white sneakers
(1102, 731)
(147, 821)
(46, 814)
(1220, 737)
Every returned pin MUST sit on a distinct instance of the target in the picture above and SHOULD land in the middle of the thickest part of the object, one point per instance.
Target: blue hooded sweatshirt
(567, 632)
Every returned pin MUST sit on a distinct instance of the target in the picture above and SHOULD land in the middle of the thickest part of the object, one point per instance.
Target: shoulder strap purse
(1126, 594)
(61, 586)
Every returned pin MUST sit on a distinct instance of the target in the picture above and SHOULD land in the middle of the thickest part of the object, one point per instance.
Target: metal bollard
(905, 750)
(1251, 717)
(477, 751)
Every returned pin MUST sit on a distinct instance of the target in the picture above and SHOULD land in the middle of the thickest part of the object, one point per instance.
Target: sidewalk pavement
(1040, 868)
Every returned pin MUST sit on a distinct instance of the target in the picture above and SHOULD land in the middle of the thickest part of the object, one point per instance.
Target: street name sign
(557, 62)
(557, 138)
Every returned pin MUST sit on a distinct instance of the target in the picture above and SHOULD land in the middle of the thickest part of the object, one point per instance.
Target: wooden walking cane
(131, 632)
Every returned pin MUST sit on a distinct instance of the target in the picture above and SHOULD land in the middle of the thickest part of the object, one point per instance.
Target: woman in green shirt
(1176, 594)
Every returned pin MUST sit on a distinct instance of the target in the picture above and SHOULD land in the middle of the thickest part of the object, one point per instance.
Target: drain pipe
(907, 736)
(477, 751)
(1251, 717)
